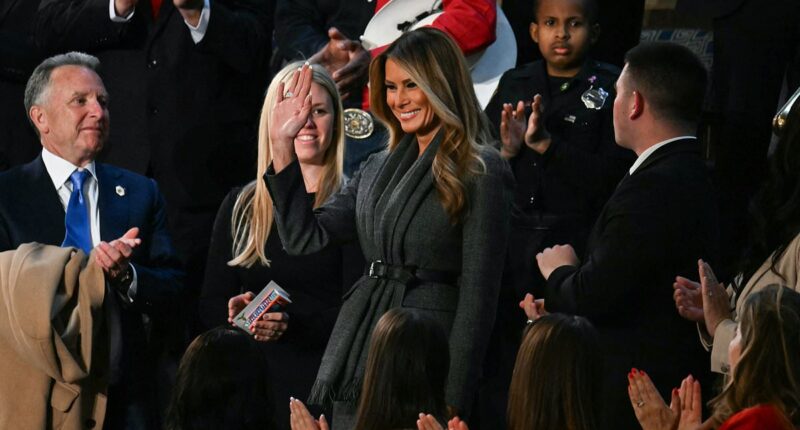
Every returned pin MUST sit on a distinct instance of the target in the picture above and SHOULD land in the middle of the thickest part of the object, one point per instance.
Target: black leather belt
(409, 274)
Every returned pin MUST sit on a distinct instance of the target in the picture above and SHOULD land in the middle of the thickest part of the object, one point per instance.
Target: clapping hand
(536, 136)
(688, 299)
(650, 409)
(512, 129)
(551, 259)
(289, 115)
(114, 257)
(534, 308)
(716, 303)
(346, 60)
(301, 419)
(428, 422)
(190, 10)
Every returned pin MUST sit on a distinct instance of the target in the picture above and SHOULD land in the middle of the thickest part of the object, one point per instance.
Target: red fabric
(471, 23)
(155, 7)
(763, 417)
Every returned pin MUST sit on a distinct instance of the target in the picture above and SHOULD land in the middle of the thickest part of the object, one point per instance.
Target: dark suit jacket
(30, 211)
(18, 56)
(656, 225)
(184, 114)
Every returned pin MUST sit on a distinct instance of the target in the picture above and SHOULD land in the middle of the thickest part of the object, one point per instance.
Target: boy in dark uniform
(561, 148)
(564, 156)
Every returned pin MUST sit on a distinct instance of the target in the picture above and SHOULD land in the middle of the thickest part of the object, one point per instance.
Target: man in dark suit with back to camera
(660, 220)
(64, 197)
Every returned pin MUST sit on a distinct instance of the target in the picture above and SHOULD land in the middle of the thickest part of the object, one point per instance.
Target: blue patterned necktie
(77, 220)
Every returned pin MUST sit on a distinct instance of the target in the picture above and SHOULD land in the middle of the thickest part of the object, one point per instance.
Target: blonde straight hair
(252, 217)
(436, 64)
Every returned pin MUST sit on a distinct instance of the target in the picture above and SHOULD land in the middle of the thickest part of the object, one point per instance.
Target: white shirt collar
(653, 149)
(59, 169)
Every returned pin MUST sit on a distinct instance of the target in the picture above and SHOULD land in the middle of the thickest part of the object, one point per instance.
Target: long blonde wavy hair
(435, 63)
(252, 217)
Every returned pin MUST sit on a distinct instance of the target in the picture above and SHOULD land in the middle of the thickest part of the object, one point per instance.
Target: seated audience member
(660, 220)
(772, 257)
(554, 117)
(64, 197)
(53, 339)
(763, 391)
(221, 384)
(406, 373)
(557, 378)
(247, 253)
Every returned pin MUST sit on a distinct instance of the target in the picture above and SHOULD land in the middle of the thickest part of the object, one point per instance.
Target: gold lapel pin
(120, 190)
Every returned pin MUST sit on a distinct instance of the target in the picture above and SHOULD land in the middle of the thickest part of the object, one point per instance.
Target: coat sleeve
(628, 247)
(239, 31)
(221, 281)
(304, 230)
(471, 23)
(160, 278)
(485, 236)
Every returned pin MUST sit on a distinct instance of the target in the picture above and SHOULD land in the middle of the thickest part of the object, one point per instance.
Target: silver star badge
(120, 190)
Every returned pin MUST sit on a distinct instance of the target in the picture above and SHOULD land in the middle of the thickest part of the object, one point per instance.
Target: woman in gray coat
(431, 213)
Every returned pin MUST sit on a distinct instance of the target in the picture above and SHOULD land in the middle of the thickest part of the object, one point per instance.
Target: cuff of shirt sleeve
(705, 339)
(112, 13)
(199, 31)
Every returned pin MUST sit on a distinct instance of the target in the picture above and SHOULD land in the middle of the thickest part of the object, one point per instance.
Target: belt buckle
(372, 270)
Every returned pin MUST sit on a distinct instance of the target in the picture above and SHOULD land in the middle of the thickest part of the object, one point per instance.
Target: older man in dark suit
(64, 197)
(188, 79)
(660, 220)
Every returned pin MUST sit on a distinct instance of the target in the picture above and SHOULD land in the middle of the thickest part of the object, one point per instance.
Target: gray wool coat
(392, 207)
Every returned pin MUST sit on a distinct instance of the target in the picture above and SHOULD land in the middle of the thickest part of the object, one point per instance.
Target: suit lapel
(44, 205)
(113, 203)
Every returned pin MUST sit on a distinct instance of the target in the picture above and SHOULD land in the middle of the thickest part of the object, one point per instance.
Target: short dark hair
(591, 11)
(222, 382)
(671, 78)
(406, 372)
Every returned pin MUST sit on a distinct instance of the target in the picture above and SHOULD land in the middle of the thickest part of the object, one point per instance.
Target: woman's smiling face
(408, 102)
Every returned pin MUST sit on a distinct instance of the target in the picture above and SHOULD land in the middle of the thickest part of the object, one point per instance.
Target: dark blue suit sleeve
(160, 284)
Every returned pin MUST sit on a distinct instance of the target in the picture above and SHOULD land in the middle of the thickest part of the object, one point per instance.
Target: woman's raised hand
(301, 419)
(650, 409)
(688, 299)
(716, 303)
(288, 116)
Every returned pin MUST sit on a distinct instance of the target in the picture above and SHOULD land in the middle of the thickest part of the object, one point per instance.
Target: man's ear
(534, 31)
(39, 119)
(637, 105)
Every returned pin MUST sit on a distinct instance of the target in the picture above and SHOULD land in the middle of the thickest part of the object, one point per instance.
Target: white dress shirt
(197, 33)
(653, 149)
(60, 170)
